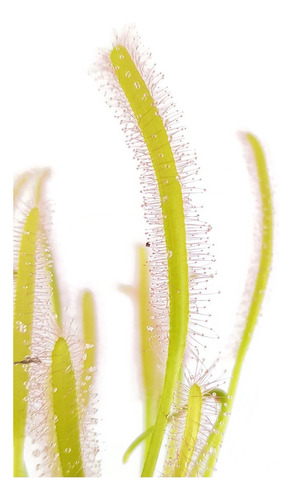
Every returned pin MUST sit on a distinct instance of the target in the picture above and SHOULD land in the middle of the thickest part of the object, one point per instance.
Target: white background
(228, 66)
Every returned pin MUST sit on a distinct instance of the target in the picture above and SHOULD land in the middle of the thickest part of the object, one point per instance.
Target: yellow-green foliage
(191, 430)
(19, 184)
(151, 364)
(215, 439)
(89, 338)
(37, 325)
(158, 144)
(22, 332)
(66, 393)
(66, 411)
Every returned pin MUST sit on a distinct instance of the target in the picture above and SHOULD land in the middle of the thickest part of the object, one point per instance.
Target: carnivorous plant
(186, 405)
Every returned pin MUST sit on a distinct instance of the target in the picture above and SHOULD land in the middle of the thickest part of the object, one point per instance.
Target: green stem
(258, 293)
(144, 435)
(136, 442)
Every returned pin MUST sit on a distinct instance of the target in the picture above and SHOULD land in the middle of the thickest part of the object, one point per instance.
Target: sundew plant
(187, 400)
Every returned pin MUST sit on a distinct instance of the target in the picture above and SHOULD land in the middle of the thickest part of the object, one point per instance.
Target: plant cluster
(187, 405)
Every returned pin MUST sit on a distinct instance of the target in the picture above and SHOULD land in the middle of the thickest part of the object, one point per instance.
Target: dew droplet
(128, 74)
(150, 328)
(117, 67)
(67, 450)
(166, 166)
(55, 389)
(164, 199)
(169, 254)
(122, 56)
(21, 326)
(137, 85)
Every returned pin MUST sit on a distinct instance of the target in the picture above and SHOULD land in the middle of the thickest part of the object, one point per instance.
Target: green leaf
(193, 418)
(66, 411)
(89, 338)
(22, 333)
(258, 292)
(170, 193)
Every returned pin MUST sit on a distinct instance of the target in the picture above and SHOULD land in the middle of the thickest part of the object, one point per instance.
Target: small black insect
(27, 360)
(147, 244)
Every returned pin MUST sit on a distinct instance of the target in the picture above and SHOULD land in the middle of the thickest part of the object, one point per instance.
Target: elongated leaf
(22, 331)
(89, 337)
(193, 419)
(66, 411)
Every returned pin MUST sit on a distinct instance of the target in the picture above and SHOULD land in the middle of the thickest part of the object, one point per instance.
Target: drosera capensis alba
(54, 365)
(65, 407)
(189, 440)
(54, 404)
(200, 466)
(180, 258)
(194, 413)
(89, 339)
(258, 163)
(22, 333)
(152, 362)
(28, 236)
